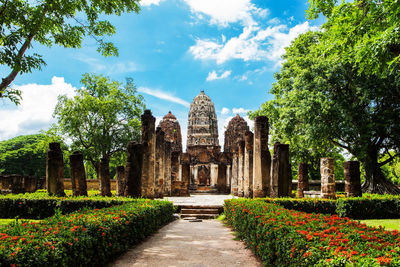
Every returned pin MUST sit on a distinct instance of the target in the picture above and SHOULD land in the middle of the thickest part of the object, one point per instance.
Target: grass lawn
(388, 224)
(4, 222)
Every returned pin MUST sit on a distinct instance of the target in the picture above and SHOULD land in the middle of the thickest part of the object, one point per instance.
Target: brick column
(241, 169)
(352, 178)
(221, 181)
(55, 170)
(159, 162)
(248, 164)
(174, 169)
(133, 170)
(234, 179)
(280, 171)
(328, 186)
(167, 168)
(302, 180)
(104, 179)
(78, 175)
(149, 151)
(261, 158)
(185, 167)
(120, 180)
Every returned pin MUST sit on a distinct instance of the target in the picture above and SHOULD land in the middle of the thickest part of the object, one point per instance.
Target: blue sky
(172, 49)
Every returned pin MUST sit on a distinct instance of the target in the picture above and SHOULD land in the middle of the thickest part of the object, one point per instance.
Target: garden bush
(85, 238)
(282, 237)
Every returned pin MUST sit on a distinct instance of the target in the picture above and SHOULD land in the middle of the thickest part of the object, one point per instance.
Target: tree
(19, 155)
(101, 119)
(49, 22)
(333, 101)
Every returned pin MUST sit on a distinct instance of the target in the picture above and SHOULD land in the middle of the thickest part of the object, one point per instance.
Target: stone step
(197, 206)
(199, 211)
(200, 216)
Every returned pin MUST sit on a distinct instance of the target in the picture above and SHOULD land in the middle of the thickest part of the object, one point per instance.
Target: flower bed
(86, 238)
(282, 237)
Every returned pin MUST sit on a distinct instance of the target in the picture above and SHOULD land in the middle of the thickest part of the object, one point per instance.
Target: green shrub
(282, 237)
(86, 238)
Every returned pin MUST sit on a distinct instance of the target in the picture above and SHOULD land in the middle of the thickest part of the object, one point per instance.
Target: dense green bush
(325, 206)
(40, 205)
(282, 237)
(86, 238)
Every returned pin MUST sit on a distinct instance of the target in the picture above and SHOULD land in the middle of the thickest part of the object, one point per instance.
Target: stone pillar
(228, 177)
(78, 176)
(302, 180)
(234, 179)
(280, 171)
(104, 179)
(167, 168)
(241, 169)
(221, 181)
(248, 164)
(261, 158)
(213, 174)
(328, 186)
(55, 170)
(133, 170)
(352, 178)
(174, 169)
(185, 174)
(120, 180)
(149, 151)
(159, 162)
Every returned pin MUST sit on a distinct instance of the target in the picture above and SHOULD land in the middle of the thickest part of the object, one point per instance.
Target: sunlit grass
(388, 224)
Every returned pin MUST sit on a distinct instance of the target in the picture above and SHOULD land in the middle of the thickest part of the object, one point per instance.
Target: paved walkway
(190, 244)
(206, 200)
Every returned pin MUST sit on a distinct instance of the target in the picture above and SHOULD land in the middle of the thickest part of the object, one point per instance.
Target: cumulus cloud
(240, 110)
(225, 111)
(163, 95)
(254, 43)
(150, 2)
(214, 76)
(224, 12)
(36, 108)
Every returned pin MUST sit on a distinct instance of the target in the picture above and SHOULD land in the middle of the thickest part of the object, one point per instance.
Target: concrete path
(199, 199)
(190, 244)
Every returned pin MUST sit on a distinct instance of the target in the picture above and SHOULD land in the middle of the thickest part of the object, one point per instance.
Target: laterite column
(120, 180)
(328, 186)
(302, 179)
(149, 151)
(248, 164)
(78, 176)
(352, 178)
(241, 169)
(280, 171)
(133, 170)
(55, 170)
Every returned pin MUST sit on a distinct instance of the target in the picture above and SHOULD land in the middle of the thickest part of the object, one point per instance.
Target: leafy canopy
(52, 22)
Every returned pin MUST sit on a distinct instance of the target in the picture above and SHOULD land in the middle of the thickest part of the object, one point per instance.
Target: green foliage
(64, 23)
(282, 237)
(85, 238)
(19, 155)
(101, 119)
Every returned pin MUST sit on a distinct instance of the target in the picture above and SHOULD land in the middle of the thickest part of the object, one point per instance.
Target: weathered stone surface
(280, 171)
(261, 158)
(104, 179)
(222, 181)
(302, 184)
(149, 151)
(328, 189)
(352, 178)
(167, 168)
(120, 180)
(133, 170)
(248, 164)
(174, 169)
(235, 174)
(234, 133)
(78, 175)
(55, 170)
(241, 168)
(170, 126)
(16, 184)
(159, 163)
(185, 172)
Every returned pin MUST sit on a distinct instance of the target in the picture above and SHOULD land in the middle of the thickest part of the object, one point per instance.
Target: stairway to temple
(200, 211)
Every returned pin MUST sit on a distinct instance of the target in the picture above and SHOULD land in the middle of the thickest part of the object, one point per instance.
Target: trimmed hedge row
(87, 238)
(282, 237)
(367, 207)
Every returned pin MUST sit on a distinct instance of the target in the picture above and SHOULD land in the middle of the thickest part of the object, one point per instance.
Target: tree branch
(380, 164)
(341, 145)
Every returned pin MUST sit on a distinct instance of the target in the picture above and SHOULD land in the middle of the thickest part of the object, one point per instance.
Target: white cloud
(163, 95)
(224, 12)
(111, 68)
(36, 108)
(150, 2)
(239, 110)
(253, 43)
(225, 111)
(214, 76)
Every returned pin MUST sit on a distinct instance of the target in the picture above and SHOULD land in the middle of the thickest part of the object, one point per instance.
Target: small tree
(101, 119)
(49, 22)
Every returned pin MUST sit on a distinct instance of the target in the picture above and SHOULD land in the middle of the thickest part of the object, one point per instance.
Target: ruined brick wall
(172, 130)
(234, 133)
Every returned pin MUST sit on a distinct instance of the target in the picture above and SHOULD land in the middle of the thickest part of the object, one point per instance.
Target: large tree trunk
(375, 180)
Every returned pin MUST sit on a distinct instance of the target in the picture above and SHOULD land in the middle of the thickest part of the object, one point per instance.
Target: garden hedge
(86, 238)
(282, 237)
